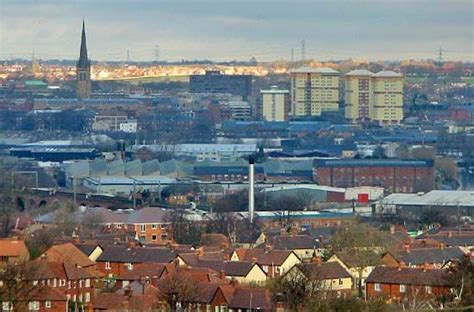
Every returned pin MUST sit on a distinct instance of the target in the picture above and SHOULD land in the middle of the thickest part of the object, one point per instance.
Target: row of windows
(62, 283)
(403, 288)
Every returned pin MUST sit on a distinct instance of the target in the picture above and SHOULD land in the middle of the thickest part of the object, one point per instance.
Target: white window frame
(33, 305)
(154, 226)
(88, 282)
(107, 265)
(428, 289)
(142, 228)
(87, 297)
(403, 288)
(377, 287)
(7, 306)
(47, 304)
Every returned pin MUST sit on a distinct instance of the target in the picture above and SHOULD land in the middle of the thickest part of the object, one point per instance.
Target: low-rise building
(408, 283)
(329, 277)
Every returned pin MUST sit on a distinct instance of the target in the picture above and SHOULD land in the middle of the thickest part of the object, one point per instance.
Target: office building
(275, 104)
(215, 82)
(314, 91)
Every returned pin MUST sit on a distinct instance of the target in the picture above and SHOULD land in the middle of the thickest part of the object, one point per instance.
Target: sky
(224, 30)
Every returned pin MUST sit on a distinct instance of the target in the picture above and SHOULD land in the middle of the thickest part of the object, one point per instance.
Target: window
(154, 226)
(33, 305)
(428, 289)
(129, 266)
(107, 265)
(87, 297)
(403, 288)
(341, 281)
(153, 237)
(47, 304)
(62, 283)
(7, 306)
(80, 283)
(35, 282)
(143, 227)
(88, 283)
(377, 287)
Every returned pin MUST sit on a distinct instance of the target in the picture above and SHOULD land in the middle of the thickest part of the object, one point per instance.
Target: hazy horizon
(237, 30)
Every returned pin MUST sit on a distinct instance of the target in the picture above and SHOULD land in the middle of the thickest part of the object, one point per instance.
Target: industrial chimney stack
(251, 187)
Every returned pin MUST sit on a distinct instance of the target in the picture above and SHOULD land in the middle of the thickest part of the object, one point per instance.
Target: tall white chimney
(251, 187)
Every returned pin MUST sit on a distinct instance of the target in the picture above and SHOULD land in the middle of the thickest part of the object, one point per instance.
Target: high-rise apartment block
(313, 91)
(275, 104)
(374, 97)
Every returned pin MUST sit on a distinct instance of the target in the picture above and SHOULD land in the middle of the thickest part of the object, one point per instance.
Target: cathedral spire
(83, 59)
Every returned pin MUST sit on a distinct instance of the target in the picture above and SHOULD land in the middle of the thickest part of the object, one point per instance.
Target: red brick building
(37, 298)
(400, 176)
(408, 283)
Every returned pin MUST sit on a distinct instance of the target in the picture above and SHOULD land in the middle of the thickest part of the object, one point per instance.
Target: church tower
(83, 70)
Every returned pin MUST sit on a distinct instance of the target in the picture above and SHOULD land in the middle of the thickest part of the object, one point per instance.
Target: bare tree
(16, 286)
(178, 290)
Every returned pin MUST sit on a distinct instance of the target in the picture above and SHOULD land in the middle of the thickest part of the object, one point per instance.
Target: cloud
(232, 29)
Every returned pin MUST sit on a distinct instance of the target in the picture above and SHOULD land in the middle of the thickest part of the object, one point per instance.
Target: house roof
(430, 255)
(351, 260)
(251, 298)
(231, 268)
(147, 270)
(274, 257)
(410, 276)
(149, 215)
(86, 249)
(12, 248)
(63, 270)
(325, 270)
(67, 253)
(285, 242)
(136, 255)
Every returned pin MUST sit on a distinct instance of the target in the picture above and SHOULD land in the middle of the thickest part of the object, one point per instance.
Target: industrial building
(454, 202)
(216, 82)
(405, 176)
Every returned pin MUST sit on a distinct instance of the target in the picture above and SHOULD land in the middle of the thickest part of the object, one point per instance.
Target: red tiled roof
(325, 270)
(11, 248)
(67, 253)
(410, 276)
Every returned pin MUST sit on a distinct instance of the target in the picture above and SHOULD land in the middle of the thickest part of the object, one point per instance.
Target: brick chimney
(254, 260)
(406, 247)
(222, 274)
(425, 266)
(441, 246)
(200, 252)
(450, 234)
(268, 247)
(317, 260)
